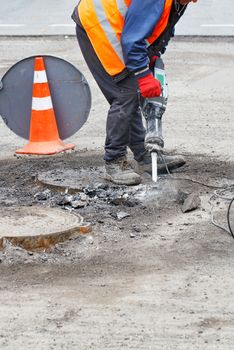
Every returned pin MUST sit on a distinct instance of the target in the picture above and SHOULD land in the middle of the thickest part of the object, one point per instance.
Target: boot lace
(125, 165)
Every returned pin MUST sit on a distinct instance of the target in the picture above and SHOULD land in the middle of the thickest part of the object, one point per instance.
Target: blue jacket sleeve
(140, 21)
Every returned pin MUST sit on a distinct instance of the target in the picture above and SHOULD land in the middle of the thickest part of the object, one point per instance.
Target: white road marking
(217, 25)
(4, 25)
(11, 25)
(62, 25)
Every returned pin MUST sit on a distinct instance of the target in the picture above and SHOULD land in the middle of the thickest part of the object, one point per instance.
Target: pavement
(208, 18)
(18, 17)
(156, 279)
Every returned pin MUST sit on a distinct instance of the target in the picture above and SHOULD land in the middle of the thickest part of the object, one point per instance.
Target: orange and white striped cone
(44, 137)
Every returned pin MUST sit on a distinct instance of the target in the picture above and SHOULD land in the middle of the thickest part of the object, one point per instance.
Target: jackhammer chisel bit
(153, 110)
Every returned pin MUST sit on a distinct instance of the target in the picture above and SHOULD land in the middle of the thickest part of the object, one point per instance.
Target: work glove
(149, 86)
(152, 61)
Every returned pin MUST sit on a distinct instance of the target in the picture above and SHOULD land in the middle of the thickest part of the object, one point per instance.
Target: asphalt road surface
(21, 17)
(200, 75)
(157, 280)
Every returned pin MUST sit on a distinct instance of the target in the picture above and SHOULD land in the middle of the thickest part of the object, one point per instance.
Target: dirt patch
(116, 212)
(147, 271)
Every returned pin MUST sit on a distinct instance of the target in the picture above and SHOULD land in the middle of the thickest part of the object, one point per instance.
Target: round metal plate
(69, 89)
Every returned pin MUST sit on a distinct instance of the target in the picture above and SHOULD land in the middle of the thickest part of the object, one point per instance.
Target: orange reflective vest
(103, 21)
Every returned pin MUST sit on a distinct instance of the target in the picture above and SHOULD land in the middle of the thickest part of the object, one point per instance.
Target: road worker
(120, 40)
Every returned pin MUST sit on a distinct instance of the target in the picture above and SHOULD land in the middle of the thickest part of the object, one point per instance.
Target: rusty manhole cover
(37, 227)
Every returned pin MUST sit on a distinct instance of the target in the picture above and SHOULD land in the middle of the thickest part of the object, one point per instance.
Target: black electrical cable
(216, 194)
(228, 217)
(161, 155)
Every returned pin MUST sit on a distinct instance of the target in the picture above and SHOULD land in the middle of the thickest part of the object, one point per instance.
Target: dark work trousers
(124, 125)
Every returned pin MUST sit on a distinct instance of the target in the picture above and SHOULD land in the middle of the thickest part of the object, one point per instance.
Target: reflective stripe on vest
(162, 23)
(103, 21)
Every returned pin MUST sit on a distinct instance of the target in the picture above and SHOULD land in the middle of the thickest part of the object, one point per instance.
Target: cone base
(45, 147)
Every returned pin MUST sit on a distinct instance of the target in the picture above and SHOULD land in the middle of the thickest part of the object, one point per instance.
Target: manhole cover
(37, 227)
(73, 180)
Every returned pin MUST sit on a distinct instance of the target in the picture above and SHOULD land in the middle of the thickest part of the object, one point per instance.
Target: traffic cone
(44, 137)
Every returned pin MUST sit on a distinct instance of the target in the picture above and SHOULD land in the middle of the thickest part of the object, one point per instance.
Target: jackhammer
(153, 109)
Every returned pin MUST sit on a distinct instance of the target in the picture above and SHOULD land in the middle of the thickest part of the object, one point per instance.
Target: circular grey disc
(35, 220)
(68, 179)
(69, 90)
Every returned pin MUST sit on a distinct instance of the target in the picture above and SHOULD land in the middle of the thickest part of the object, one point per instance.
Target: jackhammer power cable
(220, 194)
(216, 194)
(228, 217)
(186, 178)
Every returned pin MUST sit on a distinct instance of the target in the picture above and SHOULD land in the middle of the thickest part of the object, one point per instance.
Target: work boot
(172, 163)
(120, 172)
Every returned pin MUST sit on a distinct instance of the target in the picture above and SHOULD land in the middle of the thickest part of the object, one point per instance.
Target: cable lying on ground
(222, 194)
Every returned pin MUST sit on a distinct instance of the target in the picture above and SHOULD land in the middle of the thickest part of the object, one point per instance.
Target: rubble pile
(91, 195)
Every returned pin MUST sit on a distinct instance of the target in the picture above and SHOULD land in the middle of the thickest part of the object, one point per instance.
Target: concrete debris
(103, 186)
(136, 229)
(43, 196)
(74, 201)
(122, 214)
(78, 204)
(83, 197)
(91, 192)
(44, 258)
(181, 196)
(189, 201)
(90, 240)
(192, 202)
(67, 199)
(100, 193)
